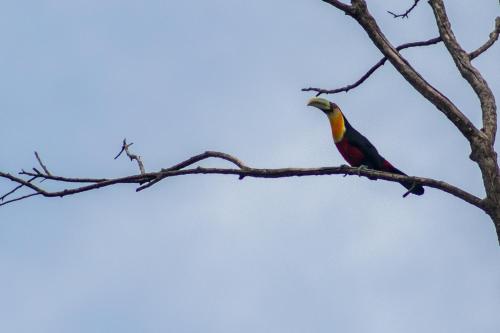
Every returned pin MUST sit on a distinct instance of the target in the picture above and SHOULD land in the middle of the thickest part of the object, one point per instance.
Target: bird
(355, 148)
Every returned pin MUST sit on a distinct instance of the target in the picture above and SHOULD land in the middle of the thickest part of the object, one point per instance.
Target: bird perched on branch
(353, 146)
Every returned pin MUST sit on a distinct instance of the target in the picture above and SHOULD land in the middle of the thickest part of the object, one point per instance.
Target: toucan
(353, 146)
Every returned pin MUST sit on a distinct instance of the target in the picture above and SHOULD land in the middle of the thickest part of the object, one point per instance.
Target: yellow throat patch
(337, 124)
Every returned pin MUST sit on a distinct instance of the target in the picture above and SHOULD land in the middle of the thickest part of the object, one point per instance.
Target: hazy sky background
(211, 253)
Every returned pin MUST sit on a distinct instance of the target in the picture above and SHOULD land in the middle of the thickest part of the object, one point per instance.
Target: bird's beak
(319, 103)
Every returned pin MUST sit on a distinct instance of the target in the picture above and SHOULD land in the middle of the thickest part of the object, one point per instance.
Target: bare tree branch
(493, 38)
(379, 64)
(152, 178)
(468, 72)
(63, 179)
(191, 161)
(405, 14)
(19, 198)
(206, 155)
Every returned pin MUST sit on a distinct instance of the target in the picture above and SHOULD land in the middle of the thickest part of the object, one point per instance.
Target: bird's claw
(360, 168)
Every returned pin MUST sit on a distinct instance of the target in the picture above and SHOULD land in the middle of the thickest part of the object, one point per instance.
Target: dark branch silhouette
(41, 164)
(379, 64)
(148, 179)
(408, 11)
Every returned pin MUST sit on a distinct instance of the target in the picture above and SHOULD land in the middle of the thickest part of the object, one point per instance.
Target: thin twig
(405, 14)
(493, 38)
(379, 64)
(63, 179)
(41, 164)
(194, 159)
(19, 198)
(24, 182)
(122, 149)
(125, 148)
(149, 184)
(3, 197)
(206, 155)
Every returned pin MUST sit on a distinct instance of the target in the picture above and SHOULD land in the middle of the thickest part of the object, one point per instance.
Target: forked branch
(148, 179)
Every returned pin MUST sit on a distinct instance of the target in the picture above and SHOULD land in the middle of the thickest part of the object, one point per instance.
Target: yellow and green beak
(320, 103)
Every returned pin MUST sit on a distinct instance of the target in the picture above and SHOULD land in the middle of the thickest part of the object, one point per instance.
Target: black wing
(373, 160)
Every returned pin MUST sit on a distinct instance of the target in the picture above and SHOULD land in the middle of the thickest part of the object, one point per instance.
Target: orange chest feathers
(352, 154)
(337, 124)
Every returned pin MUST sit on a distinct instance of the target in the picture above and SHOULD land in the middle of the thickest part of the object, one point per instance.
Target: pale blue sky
(211, 253)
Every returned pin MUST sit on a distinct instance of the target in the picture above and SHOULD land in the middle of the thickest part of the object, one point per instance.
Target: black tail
(412, 187)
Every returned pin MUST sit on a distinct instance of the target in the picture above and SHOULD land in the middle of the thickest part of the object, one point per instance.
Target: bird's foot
(361, 168)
